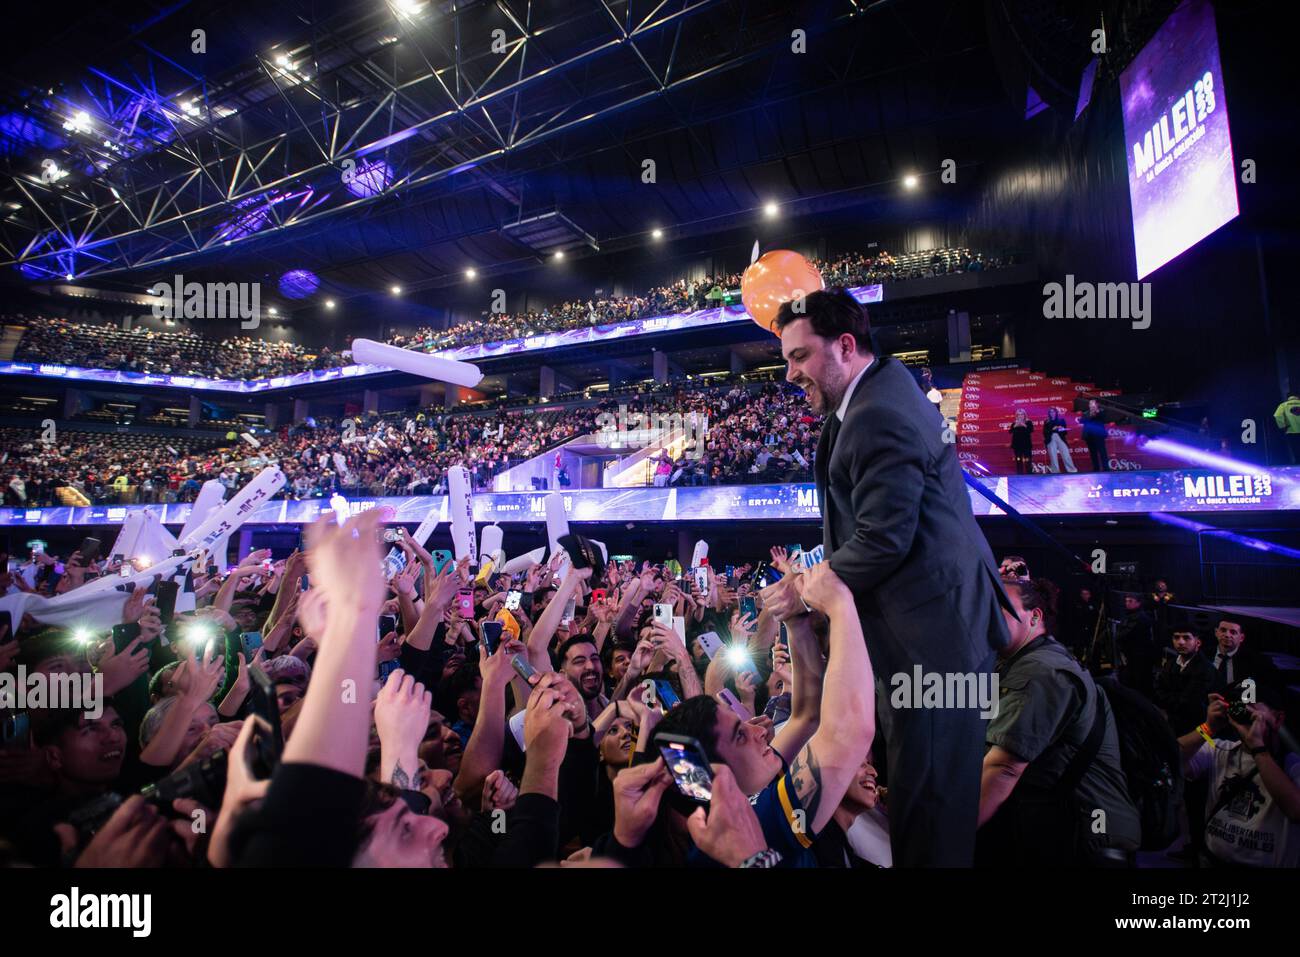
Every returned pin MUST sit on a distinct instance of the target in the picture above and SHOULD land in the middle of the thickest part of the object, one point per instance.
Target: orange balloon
(775, 278)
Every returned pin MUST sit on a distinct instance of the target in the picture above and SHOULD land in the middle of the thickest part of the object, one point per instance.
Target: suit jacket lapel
(821, 475)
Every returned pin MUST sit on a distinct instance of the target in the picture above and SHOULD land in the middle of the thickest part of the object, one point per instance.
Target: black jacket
(898, 528)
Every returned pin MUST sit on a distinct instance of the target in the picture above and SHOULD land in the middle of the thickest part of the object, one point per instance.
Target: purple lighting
(299, 283)
(1205, 459)
(369, 178)
(1246, 541)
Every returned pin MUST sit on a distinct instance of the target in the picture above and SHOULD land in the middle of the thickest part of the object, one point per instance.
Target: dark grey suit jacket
(898, 528)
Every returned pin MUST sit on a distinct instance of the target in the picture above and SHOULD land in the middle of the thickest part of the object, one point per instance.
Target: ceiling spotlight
(770, 210)
(282, 60)
(329, 303)
(68, 277)
(395, 290)
(910, 181)
(273, 311)
(656, 234)
(559, 254)
(471, 273)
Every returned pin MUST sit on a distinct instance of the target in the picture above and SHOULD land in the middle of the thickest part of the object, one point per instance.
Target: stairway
(989, 401)
(9, 342)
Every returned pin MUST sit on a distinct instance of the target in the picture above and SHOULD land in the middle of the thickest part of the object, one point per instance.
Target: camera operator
(1252, 814)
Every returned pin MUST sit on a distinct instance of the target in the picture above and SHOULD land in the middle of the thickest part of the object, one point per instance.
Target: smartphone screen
(387, 625)
(513, 599)
(748, 609)
(490, 631)
(250, 641)
(688, 766)
(465, 603)
(666, 694)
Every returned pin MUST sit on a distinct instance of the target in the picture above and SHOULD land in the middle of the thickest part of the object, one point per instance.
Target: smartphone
(710, 643)
(392, 535)
(268, 743)
(490, 632)
(598, 594)
(250, 641)
(165, 600)
(441, 558)
(513, 599)
(305, 584)
(123, 635)
(664, 689)
(387, 625)
(570, 608)
(784, 638)
(16, 731)
(523, 668)
(126, 570)
(688, 766)
(748, 608)
(465, 603)
(663, 614)
(793, 552)
(702, 578)
(679, 626)
(731, 701)
(89, 549)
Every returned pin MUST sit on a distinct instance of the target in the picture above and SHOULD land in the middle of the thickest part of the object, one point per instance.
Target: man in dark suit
(1233, 662)
(1183, 683)
(898, 529)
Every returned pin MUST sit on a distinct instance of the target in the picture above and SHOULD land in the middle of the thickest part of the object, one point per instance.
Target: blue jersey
(786, 825)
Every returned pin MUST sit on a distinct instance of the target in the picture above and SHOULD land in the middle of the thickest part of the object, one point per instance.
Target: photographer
(1053, 758)
(1252, 814)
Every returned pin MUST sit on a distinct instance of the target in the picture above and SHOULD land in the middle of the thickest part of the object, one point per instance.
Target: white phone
(710, 643)
(679, 626)
(732, 702)
(664, 614)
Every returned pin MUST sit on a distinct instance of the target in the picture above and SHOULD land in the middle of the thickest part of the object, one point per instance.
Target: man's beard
(830, 391)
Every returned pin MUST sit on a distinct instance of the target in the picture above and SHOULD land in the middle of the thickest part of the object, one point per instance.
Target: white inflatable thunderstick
(417, 363)
(460, 507)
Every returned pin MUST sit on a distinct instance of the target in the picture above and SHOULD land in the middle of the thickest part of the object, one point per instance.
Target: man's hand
(345, 564)
(242, 790)
(547, 727)
(729, 832)
(823, 589)
(390, 647)
(135, 605)
(637, 793)
(120, 668)
(782, 599)
(499, 792)
(136, 835)
(402, 713)
(495, 669)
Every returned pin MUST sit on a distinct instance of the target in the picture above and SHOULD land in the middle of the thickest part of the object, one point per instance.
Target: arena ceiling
(398, 142)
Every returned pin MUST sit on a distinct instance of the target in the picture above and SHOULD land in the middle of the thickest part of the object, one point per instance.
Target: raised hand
(637, 793)
(729, 831)
(120, 668)
(402, 713)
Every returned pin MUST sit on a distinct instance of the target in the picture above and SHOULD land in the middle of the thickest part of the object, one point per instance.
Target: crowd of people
(162, 352)
(182, 352)
(757, 434)
(581, 711)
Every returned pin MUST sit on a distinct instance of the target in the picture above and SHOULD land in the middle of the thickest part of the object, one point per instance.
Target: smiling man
(898, 530)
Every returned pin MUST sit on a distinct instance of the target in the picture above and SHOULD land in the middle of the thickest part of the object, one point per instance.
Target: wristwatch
(767, 858)
(1256, 751)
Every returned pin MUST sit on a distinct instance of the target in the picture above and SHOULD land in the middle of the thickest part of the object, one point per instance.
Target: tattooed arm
(401, 718)
(823, 769)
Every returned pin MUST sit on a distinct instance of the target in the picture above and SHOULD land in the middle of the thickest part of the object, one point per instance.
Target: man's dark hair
(46, 644)
(696, 718)
(378, 799)
(1225, 619)
(1038, 593)
(461, 680)
(50, 724)
(832, 313)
